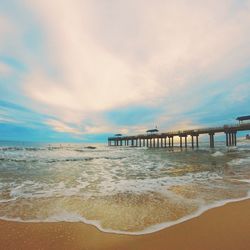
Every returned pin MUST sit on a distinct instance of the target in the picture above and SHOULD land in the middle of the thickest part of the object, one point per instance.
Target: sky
(82, 70)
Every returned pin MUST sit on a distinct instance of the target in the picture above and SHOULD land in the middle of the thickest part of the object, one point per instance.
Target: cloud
(100, 57)
(240, 93)
(5, 70)
(128, 47)
(10, 31)
(5, 28)
(4, 117)
(7, 120)
(62, 127)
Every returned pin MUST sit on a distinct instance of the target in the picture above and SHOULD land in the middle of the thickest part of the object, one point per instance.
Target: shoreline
(149, 230)
(223, 227)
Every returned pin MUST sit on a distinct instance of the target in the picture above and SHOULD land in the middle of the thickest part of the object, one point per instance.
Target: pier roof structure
(243, 118)
(152, 130)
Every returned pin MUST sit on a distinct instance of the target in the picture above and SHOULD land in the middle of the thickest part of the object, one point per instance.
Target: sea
(125, 190)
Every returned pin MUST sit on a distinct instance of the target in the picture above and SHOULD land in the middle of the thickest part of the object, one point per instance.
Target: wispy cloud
(5, 70)
(62, 127)
(107, 61)
(98, 61)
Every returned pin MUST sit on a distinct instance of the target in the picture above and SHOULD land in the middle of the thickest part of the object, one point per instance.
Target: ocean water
(119, 189)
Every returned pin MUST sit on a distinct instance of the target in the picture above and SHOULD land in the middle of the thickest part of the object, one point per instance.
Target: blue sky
(84, 70)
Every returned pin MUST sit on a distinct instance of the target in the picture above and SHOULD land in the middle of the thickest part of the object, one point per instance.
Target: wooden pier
(164, 140)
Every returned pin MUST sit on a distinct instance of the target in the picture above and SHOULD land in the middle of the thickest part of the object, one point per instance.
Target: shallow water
(118, 189)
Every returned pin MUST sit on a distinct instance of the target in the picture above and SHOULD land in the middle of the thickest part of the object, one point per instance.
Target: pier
(164, 140)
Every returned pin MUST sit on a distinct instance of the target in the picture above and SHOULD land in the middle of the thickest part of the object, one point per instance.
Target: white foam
(138, 186)
(73, 217)
(239, 161)
(245, 180)
(217, 153)
(7, 200)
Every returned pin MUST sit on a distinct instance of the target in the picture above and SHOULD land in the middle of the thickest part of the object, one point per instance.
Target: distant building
(118, 135)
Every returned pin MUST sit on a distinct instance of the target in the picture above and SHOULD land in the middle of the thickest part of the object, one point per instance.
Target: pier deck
(166, 139)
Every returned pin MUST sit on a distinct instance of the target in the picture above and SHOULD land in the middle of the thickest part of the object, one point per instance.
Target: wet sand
(226, 227)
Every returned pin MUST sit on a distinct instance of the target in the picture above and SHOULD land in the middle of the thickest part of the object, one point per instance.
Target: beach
(124, 125)
(226, 227)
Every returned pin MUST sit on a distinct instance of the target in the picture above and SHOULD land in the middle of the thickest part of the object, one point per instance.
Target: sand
(226, 227)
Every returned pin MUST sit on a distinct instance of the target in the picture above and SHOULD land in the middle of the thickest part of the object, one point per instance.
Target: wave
(47, 160)
(50, 148)
(71, 159)
(217, 153)
(74, 217)
(239, 161)
(21, 148)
